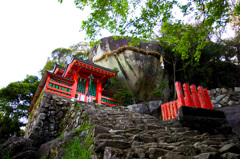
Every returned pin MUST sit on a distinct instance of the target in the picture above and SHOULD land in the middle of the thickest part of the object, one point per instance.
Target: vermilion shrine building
(80, 79)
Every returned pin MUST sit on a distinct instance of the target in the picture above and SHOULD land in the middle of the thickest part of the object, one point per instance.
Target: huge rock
(233, 116)
(139, 72)
(139, 108)
(155, 108)
(17, 147)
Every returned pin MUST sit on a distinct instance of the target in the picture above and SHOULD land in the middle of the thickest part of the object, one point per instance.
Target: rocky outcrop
(17, 148)
(233, 116)
(152, 108)
(224, 97)
(139, 72)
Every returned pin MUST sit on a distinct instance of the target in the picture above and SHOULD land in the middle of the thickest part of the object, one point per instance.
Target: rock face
(233, 116)
(18, 148)
(139, 72)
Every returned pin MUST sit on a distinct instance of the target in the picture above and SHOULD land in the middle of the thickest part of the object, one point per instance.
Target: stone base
(203, 120)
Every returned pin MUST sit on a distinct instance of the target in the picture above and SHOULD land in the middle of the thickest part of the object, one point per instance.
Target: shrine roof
(57, 66)
(90, 64)
(60, 67)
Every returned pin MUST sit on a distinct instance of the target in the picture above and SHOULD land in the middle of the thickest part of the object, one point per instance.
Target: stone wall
(224, 97)
(43, 123)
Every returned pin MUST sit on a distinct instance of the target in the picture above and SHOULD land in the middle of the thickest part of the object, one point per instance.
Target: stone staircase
(118, 133)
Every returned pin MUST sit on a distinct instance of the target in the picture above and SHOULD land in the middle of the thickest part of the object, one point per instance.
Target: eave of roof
(90, 64)
(59, 67)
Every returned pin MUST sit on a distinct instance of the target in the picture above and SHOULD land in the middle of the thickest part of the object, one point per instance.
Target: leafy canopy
(62, 55)
(15, 100)
(139, 18)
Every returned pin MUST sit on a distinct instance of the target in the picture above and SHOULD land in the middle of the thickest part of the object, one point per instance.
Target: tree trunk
(174, 79)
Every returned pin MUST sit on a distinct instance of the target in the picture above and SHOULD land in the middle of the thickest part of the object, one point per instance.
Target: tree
(119, 17)
(123, 95)
(15, 100)
(48, 66)
(62, 55)
(181, 43)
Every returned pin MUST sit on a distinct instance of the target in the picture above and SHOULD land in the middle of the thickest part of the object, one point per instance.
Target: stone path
(119, 133)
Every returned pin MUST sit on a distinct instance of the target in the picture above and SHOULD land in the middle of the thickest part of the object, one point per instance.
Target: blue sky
(30, 30)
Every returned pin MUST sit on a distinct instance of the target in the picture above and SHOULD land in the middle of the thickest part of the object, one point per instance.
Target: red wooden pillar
(175, 107)
(178, 105)
(99, 92)
(202, 98)
(195, 96)
(168, 110)
(188, 98)
(165, 111)
(209, 103)
(162, 111)
(74, 86)
(179, 93)
(171, 109)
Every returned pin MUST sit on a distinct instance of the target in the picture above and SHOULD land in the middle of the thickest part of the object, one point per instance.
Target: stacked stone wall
(44, 120)
(224, 97)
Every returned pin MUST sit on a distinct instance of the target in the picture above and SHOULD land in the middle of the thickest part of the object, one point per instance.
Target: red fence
(198, 97)
(58, 88)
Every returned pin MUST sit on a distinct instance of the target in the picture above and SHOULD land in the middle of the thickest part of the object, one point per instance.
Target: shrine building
(79, 80)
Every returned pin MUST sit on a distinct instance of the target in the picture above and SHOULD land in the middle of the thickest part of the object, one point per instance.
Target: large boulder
(139, 108)
(140, 72)
(17, 147)
(155, 108)
(232, 114)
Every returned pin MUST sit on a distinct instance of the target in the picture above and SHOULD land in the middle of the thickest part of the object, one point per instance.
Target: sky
(30, 30)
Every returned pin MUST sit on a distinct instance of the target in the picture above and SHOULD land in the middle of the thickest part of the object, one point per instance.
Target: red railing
(109, 101)
(58, 88)
(196, 98)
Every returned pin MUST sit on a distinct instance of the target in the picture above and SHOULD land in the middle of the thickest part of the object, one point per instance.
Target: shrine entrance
(86, 89)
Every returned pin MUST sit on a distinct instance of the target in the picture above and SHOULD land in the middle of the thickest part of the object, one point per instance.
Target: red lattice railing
(198, 97)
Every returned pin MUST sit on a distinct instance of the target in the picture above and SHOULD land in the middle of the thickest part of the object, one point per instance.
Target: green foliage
(158, 91)
(14, 103)
(123, 95)
(114, 81)
(120, 17)
(6, 154)
(48, 66)
(81, 148)
(77, 106)
(62, 55)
